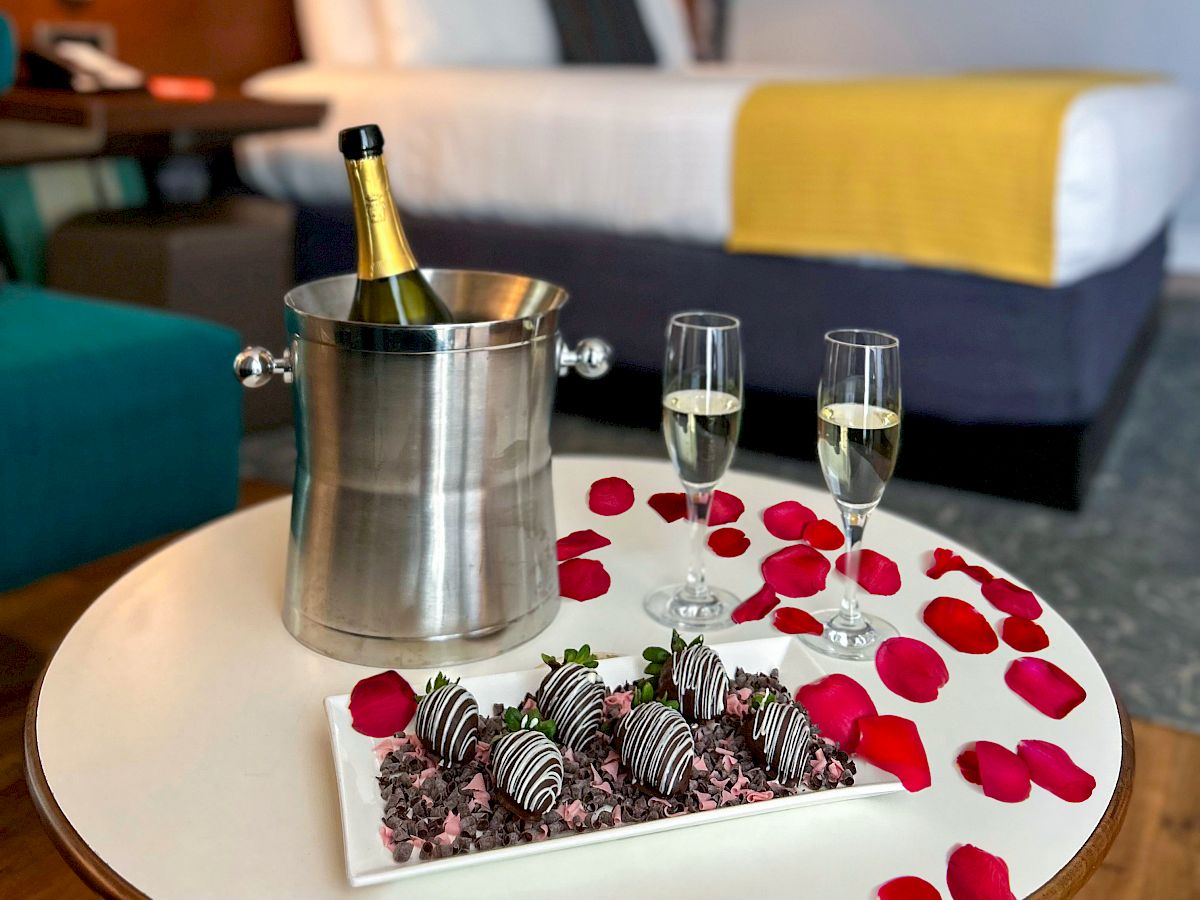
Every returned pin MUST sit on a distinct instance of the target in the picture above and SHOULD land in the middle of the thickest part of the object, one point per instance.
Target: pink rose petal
(1044, 686)
(835, 703)
(671, 506)
(823, 535)
(974, 874)
(757, 606)
(728, 542)
(790, 620)
(788, 519)
(1024, 635)
(1052, 769)
(893, 744)
(1002, 774)
(908, 887)
(583, 579)
(382, 705)
(578, 543)
(960, 625)
(911, 668)
(876, 573)
(1009, 598)
(796, 571)
(725, 508)
(610, 496)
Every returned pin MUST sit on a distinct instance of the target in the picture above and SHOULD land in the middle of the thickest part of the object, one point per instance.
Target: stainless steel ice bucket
(423, 513)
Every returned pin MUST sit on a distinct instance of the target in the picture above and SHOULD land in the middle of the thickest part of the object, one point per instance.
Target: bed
(615, 181)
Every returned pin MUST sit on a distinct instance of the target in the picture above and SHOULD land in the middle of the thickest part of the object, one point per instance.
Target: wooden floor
(1156, 856)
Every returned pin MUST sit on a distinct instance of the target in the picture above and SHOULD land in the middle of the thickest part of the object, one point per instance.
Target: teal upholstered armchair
(117, 423)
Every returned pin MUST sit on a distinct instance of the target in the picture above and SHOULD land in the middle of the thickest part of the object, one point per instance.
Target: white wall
(1156, 35)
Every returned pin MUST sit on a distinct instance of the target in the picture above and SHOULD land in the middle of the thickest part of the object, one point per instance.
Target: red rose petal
(909, 887)
(672, 507)
(610, 496)
(728, 542)
(835, 703)
(583, 579)
(1044, 686)
(725, 508)
(578, 543)
(968, 764)
(1002, 774)
(974, 874)
(1024, 635)
(823, 535)
(876, 573)
(1052, 768)
(787, 520)
(960, 625)
(911, 668)
(756, 607)
(945, 560)
(893, 744)
(1009, 598)
(382, 705)
(796, 571)
(790, 620)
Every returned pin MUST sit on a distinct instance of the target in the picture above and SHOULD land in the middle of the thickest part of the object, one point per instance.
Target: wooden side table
(176, 744)
(38, 124)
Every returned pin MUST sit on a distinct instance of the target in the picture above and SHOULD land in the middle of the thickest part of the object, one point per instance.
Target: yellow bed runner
(953, 172)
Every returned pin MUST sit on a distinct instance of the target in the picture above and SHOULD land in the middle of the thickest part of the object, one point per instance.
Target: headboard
(226, 40)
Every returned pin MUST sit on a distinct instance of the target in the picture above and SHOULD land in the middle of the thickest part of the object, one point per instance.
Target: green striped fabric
(35, 199)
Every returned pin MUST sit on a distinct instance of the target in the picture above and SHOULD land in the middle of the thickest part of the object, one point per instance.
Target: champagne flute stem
(853, 524)
(698, 503)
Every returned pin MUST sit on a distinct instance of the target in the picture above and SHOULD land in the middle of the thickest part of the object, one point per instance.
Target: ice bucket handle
(255, 366)
(591, 357)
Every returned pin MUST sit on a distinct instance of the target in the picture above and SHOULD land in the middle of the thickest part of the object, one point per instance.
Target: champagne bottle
(391, 289)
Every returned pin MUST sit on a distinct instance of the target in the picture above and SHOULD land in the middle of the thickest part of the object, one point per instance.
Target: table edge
(87, 864)
(102, 878)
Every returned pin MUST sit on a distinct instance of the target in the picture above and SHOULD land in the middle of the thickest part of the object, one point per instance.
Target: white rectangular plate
(368, 861)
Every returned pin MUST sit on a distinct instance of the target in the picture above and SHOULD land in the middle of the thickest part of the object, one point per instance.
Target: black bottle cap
(360, 141)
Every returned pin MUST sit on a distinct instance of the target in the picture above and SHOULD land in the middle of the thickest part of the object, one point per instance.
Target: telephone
(80, 66)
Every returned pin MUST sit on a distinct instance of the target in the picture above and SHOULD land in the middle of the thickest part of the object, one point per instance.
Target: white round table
(178, 746)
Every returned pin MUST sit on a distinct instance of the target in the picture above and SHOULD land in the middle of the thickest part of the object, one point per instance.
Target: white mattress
(648, 152)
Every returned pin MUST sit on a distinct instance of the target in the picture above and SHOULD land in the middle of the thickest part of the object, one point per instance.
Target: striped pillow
(37, 198)
(602, 31)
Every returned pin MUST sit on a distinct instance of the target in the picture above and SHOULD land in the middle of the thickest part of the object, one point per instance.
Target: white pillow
(468, 33)
(339, 32)
(667, 25)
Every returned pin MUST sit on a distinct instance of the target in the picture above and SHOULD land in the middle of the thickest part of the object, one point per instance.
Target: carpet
(1124, 570)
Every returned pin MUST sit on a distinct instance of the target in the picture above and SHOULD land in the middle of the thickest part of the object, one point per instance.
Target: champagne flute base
(849, 643)
(674, 607)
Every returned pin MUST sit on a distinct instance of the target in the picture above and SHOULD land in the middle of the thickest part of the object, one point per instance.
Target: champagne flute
(702, 413)
(858, 438)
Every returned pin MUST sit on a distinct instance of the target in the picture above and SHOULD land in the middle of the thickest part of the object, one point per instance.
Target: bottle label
(382, 247)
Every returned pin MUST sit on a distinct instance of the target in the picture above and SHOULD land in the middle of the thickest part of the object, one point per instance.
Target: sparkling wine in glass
(858, 439)
(702, 413)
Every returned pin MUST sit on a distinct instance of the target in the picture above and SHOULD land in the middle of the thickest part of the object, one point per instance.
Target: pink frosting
(737, 703)
(572, 813)
(385, 835)
(388, 744)
(618, 703)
